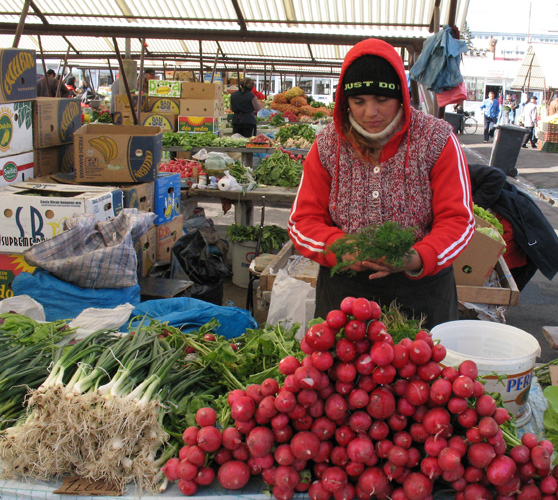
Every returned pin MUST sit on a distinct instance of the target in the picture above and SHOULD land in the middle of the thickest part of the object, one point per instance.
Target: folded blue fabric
(189, 314)
(63, 300)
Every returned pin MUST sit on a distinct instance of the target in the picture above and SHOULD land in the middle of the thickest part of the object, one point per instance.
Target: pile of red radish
(363, 417)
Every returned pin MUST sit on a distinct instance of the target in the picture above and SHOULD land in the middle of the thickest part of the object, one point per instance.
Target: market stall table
(275, 196)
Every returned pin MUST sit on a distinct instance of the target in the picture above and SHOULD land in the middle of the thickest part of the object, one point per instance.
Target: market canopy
(306, 36)
(538, 70)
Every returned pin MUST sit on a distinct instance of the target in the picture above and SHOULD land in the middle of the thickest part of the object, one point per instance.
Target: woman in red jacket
(382, 160)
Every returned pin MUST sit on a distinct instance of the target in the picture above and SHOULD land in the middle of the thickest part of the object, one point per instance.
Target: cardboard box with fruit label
(192, 124)
(10, 266)
(163, 105)
(54, 121)
(16, 128)
(167, 234)
(166, 197)
(33, 212)
(117, 153)
(165, 88)
(50, 161)
(18, 75)
(16, 168)
(146, 250)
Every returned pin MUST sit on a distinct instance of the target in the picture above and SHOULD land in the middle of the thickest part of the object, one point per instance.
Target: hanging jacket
(421, 180)
(531, 229)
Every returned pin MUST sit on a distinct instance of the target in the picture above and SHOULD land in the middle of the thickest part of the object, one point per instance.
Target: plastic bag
(203, 155)
(93, 319)
(292, 301)
(191, 260)
(454, 95)
(229, 183)
(23, 304)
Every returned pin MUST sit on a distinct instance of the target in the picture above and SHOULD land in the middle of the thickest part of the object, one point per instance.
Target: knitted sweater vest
(363, 194)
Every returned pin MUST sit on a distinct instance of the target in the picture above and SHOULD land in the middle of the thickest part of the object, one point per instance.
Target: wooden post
(125, 80)
(21, 24)
(44, 65)
(141, 97)
(62, 74)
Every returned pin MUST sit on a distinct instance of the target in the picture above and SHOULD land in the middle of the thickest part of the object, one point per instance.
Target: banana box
(16, 128)
(53, 160)
(18, 75)
(138, 196)
(121, 103)
(198, 90)
(167, 235)
(54, 121)
(167, 121)
(167, 197)
(146, 250)
(191, 124)
(164, 88)
(32, 212)
(163, 105)
(16, 168)
(117, 153)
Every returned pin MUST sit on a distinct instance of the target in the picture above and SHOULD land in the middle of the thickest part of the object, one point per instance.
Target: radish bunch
(361, 416)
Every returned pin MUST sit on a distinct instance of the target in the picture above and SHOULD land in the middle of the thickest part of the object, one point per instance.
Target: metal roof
(301, 35)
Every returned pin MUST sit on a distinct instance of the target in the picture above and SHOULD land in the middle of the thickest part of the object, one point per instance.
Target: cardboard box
(146, 251)
(122, 104)
(307, 272)
(16, 128)
(54, 121)
(507, 294)
(167, 197)
(192, 124)
(167, 121)
(117, 153)
(185, 76)
(165, 88)
(198, 90)
(18, 75)
(10, 266)
(163, 105)
(33, 212)
(167, 235)
(16, 168)
(477, 261)
(50, 161)
(202, 107)
(139, 196)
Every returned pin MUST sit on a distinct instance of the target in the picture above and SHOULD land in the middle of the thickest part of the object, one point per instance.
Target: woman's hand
(382, 268)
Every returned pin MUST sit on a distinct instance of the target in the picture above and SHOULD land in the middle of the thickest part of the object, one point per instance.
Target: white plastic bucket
(243, 252)
(505, 355)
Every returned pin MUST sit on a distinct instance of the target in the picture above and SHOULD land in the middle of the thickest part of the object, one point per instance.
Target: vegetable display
(362, 416)
(273, 236)
(388, 240)
(488, 217)
(279, 169)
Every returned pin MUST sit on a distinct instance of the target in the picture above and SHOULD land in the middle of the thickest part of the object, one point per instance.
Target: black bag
(191, 260)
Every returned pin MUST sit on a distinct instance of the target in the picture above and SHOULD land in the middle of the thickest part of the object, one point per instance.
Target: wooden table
(244, 202)
(247, 153)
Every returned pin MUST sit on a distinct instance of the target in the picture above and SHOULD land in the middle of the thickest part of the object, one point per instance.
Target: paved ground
(538, 176)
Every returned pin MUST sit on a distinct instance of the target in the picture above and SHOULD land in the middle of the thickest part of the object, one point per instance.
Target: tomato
(209, 337)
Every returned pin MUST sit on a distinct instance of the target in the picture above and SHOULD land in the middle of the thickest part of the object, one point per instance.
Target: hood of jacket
(372, 46)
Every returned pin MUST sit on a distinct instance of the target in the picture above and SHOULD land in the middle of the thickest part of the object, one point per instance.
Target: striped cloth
(94, 254)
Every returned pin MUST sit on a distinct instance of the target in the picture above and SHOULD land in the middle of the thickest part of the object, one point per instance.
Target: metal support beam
(21, 24)
(125, 80)
(201, 62)
(44, 65)
(240, 16)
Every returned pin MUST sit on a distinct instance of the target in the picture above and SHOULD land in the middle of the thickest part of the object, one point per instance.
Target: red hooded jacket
(447, 224)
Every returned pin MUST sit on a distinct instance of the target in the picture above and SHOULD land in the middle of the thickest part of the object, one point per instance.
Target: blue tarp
(189, 314)
(63, 300)
(437, 67)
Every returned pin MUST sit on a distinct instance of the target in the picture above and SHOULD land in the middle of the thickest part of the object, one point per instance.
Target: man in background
(530, 118)
(491, 112)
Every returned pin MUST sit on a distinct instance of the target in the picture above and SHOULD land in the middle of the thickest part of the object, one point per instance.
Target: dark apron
(432, 296)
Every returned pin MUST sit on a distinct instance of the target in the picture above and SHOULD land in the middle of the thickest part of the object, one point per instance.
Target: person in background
(458, 109)
(47, 85)
(71, 85)
(508, 106)
(245, 105)
(382, 160)
(491, 112)
(553, 107)
(531, 242)
(530, 122)
(149, 74)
